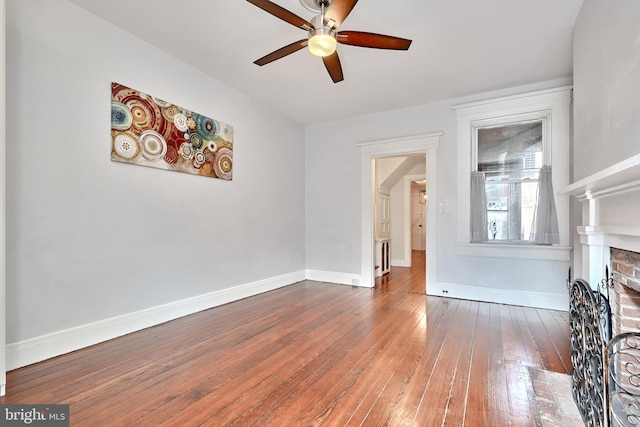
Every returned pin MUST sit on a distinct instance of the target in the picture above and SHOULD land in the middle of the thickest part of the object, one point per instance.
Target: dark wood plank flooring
(314, 354)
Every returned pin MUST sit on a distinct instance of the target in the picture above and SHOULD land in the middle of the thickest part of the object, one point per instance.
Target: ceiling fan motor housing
(322, 40)
(318, 24)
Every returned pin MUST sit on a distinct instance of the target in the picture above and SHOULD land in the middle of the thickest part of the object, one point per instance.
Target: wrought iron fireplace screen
(606, 371)
(590, 321)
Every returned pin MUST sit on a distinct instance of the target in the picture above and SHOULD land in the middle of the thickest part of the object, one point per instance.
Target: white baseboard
(400, 263)
(546, 300)
(334, 277)
(32, 350)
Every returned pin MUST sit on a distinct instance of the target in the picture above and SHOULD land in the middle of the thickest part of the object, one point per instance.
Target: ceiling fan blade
(282, 13)
(338, 11)
(282, 52)
(378, 41)
(332, 63)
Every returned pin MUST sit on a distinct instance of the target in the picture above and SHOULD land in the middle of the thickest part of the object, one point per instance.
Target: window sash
(517, 222)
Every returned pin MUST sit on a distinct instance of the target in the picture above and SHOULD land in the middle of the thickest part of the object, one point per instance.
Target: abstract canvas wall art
(152, 132)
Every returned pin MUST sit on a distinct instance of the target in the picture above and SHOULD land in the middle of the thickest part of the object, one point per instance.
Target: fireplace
(608, 231)
(607, 258)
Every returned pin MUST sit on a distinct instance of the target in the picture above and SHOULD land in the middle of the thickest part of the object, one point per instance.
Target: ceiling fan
(323, 35)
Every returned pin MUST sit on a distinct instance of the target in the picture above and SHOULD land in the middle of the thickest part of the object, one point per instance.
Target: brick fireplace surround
(625, 302)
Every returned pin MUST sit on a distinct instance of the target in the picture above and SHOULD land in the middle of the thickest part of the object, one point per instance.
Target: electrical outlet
(444, 291)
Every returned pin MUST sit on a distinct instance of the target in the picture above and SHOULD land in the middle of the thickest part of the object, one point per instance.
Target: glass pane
(510, 155)
(510, 148)
(510, 209)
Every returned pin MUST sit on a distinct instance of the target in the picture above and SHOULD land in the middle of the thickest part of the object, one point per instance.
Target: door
(418, 216)
(383, 215)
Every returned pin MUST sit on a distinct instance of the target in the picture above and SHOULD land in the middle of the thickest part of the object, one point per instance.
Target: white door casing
(425, 143)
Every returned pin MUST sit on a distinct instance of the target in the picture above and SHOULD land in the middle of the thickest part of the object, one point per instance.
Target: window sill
(519, 251)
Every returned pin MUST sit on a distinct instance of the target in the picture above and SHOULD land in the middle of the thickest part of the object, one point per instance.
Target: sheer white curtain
(479, 232)
(545, 220)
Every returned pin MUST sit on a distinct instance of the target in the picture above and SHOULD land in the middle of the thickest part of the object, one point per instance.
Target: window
(510, 156)
(504, 147)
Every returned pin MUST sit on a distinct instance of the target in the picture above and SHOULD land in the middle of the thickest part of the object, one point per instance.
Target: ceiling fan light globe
(322, 43)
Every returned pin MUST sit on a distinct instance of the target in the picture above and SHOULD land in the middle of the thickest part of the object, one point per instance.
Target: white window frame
(553, 106)
(542, 116)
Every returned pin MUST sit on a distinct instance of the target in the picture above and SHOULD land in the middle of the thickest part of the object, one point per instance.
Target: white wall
(89, 239)
(333, 206)
(606, 63)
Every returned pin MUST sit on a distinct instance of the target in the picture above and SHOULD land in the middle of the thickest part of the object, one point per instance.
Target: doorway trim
(424, 143)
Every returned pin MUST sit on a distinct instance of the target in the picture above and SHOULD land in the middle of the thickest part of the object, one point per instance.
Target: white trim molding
(333, 277)
(554, 105)
(534, 252)
(620, 178)
(43, 347)
(545, 300)
(425, 143)
(610, 200)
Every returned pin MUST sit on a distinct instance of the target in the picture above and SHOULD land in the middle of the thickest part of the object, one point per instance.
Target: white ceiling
(460, 47)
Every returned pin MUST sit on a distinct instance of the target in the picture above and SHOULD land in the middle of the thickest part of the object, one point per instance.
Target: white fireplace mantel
(610, 215)
(623, 176)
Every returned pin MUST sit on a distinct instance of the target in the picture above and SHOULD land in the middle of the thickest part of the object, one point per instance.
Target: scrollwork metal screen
(623, 373)
(590, 317)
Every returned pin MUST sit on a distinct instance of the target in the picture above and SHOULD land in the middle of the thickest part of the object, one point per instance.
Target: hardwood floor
(314, 354)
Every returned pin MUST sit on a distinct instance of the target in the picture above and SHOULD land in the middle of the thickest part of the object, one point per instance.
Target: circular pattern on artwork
(206, 126)
(208, 155)
(141, 114)
(196, 140)
(186, 150)
(121, 118)
(169, 112)
(154, 146)
(199, 158)
(180, 122)
(212, 146)
(126, 146)
(223, 163)
(146, 114)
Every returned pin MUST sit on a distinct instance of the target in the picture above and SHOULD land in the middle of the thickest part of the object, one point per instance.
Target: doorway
(418, 215)
(426, 144)
(400, 183)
